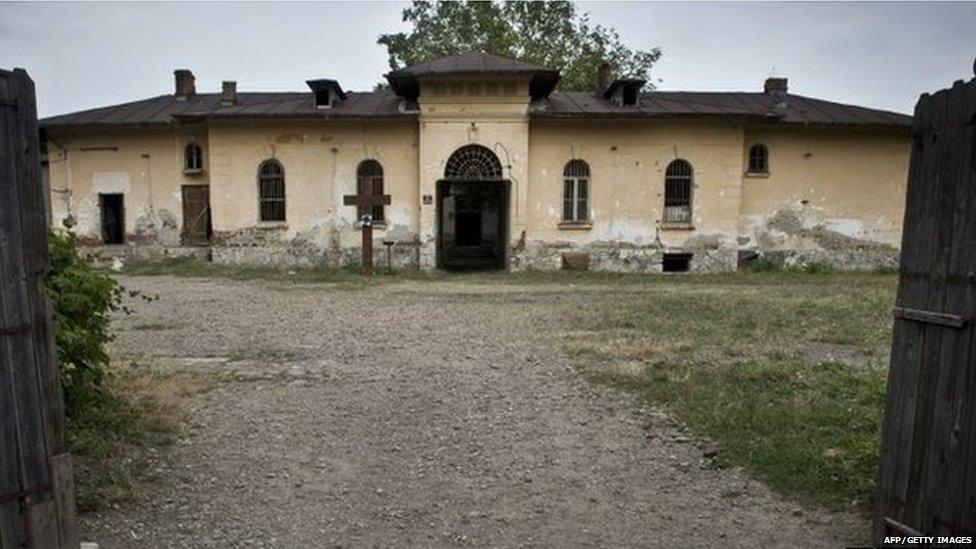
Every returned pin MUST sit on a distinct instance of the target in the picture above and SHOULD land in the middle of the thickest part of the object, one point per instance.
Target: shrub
(83, 299)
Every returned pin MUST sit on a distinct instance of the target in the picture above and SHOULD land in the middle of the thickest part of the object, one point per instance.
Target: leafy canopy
(551, 34)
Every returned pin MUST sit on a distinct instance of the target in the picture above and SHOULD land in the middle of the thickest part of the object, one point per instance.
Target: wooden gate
(927, 478)
(36, 497)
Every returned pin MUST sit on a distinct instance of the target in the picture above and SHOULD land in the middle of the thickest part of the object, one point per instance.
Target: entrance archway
(472, 211)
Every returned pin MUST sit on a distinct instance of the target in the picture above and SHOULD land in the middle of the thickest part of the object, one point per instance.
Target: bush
(83, 300)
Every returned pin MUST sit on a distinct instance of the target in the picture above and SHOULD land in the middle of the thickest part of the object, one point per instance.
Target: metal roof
(399, 102)
(783, 108)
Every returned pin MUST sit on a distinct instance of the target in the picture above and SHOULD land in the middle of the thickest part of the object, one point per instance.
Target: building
(486, 165)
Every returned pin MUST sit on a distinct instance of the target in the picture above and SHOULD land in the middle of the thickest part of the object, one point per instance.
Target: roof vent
(775, 86)
(625, 92)
(228, 93)
(325, 92)
(185, 84)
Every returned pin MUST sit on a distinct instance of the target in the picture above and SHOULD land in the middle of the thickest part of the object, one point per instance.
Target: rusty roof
(167, 109)
(787, 108)
(784, 108)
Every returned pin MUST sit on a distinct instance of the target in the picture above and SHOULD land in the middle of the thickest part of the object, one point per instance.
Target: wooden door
(196, 215)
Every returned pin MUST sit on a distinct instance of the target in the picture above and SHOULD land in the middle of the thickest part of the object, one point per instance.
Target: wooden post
(36, 492)
(367, 229)
(364, 203)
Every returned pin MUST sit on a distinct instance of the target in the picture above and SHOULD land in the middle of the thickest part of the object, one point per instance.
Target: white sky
(84, 55)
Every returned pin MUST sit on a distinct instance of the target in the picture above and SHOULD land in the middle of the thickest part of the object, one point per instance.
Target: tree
(551, 34)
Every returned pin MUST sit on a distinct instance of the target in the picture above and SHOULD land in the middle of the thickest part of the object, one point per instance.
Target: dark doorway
(196, 215)
(113, 218)
(472, 220)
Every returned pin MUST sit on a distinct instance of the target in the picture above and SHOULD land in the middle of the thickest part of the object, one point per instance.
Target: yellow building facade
(485, 166)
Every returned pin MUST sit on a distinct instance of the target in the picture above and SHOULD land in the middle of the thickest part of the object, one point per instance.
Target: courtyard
(503, 409)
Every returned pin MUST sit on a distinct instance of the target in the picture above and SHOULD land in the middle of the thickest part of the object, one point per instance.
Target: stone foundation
(620, 257)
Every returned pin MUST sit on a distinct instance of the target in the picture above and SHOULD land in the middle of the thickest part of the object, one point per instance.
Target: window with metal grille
(473, 163)
(677, 192)
(758, 159)
(576, 191)
(193, 158)
(271, 191)
(369, 178)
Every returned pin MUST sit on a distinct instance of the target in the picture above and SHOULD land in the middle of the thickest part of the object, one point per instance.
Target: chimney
(228, 93)
(775, 86)
(185, 83)
(604, 77)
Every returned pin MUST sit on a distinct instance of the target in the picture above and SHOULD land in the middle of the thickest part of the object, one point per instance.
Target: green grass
(262, 355)
(731, 360)
(117, 432)
(156, 326)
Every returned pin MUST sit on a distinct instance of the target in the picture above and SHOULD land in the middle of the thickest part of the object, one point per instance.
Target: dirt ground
(421, 414)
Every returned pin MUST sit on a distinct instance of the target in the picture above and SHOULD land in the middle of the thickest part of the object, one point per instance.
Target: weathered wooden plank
(14, 309)
(951, 507)
(908, 337)
(942, 178)
(937, 471)
(29, 381)
(904, 354)
(63, 479)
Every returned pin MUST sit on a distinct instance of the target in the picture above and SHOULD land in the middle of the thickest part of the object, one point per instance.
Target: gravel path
(421, 414)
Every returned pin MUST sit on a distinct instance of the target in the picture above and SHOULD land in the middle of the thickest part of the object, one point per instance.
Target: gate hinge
(930, 317)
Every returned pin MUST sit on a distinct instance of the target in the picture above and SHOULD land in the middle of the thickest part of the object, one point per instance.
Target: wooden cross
(364, 202)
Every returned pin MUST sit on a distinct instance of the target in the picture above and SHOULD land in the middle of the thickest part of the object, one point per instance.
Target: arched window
(576, 191)
(758, 159)
(369, 180)
(271, 191)
(193, 158)
(677, 192)
(473, 163)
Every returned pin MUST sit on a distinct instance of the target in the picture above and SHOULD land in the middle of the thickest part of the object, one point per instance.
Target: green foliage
(83, 300)
(551, 34)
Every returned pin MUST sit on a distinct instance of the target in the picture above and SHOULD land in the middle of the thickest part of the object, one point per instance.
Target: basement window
(676, 263)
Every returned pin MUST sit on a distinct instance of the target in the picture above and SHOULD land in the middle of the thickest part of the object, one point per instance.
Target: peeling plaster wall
(320, 159)
(831, 196)
(145, 165)
(628, 160)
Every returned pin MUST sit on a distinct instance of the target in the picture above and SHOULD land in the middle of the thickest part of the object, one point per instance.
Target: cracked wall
(832, 197)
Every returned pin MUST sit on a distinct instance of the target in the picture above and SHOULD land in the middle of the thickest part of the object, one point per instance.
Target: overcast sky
(84, 55)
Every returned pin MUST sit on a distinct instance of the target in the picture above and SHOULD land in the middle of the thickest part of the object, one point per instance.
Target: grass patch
(156, 326)
(276, 356)
(119, 429)
(729, 359)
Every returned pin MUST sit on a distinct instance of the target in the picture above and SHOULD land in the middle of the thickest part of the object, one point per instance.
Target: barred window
(576, 191)
(677, 192)
(369, 180)
(758, 159)
(193, 158)
(271, 191)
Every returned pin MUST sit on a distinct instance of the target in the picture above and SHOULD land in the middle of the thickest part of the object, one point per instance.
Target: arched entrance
(472, 211)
